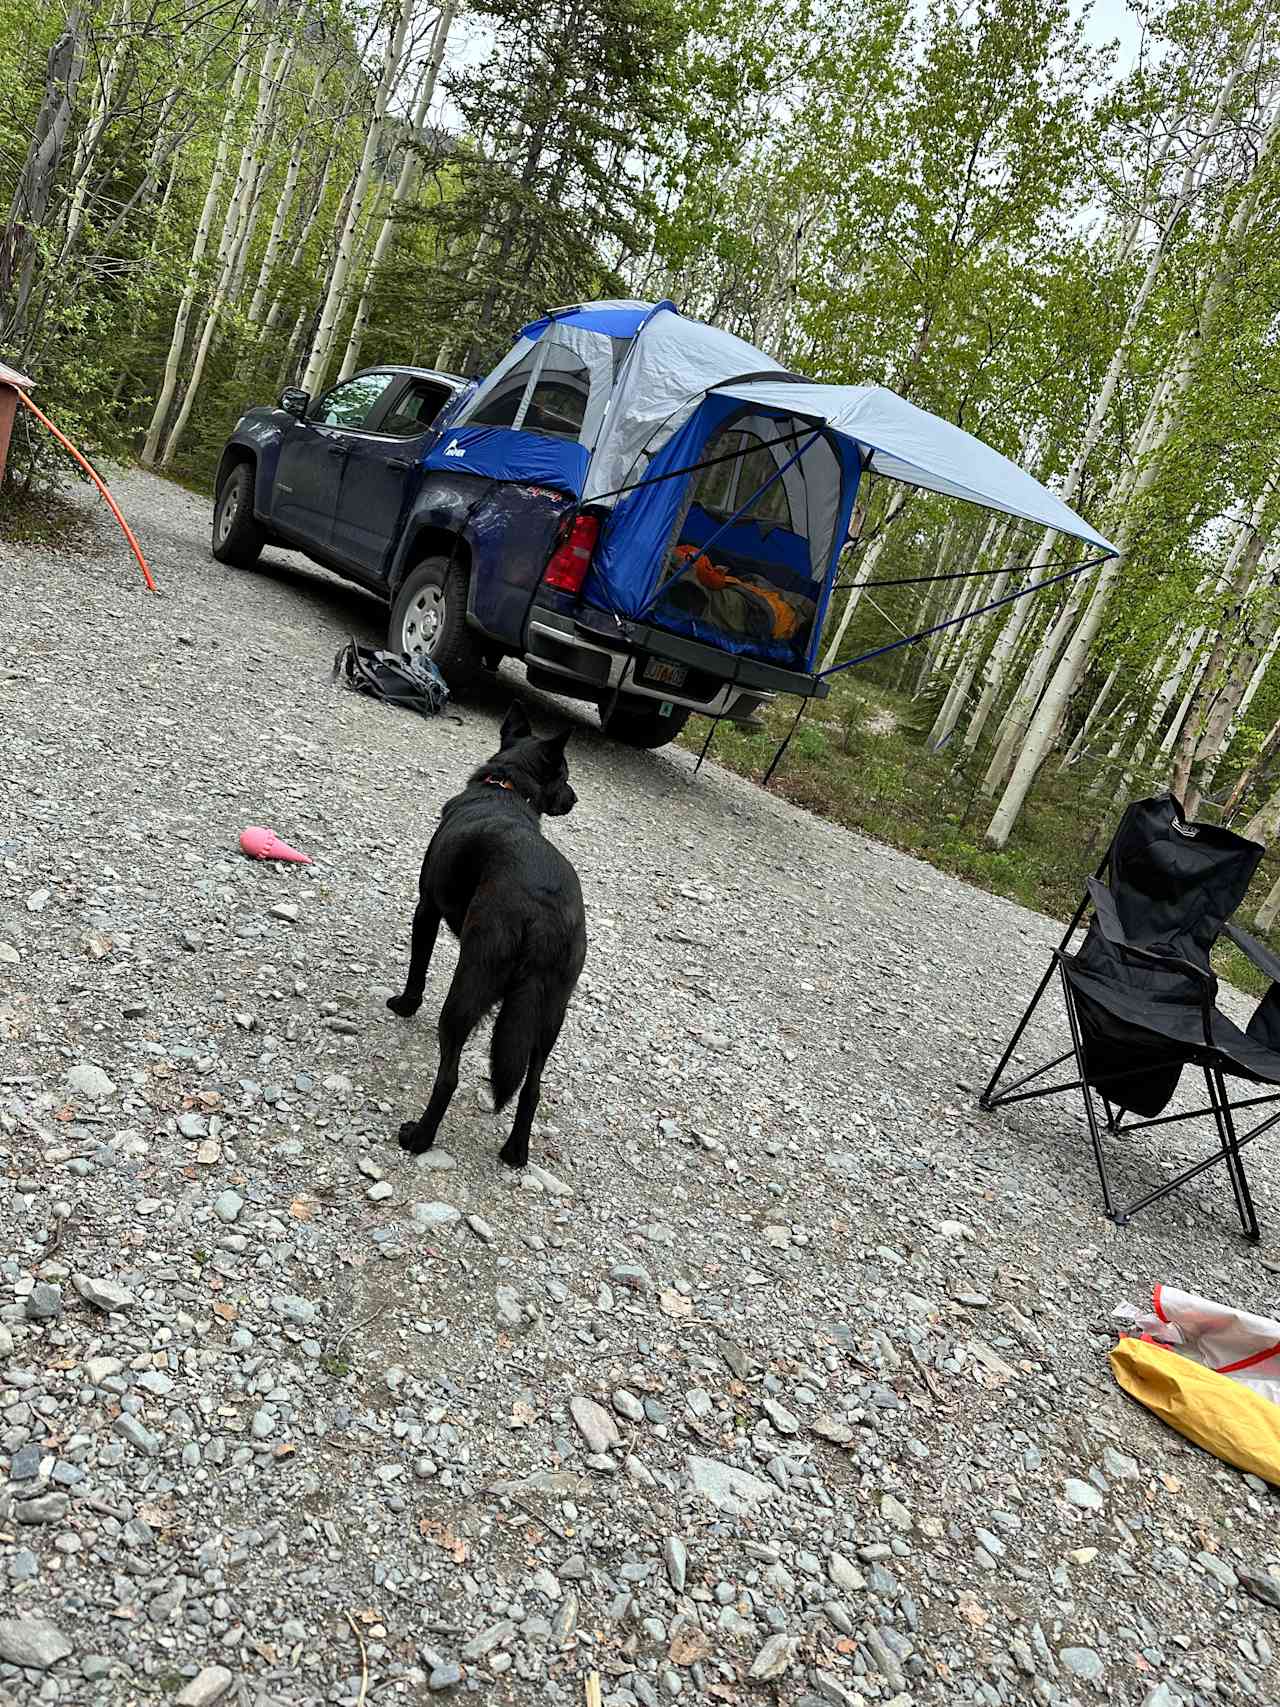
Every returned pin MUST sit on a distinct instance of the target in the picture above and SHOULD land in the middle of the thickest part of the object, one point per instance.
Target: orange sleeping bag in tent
(1212, 1373)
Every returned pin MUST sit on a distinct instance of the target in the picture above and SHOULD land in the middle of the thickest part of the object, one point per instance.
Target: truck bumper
(592, 657)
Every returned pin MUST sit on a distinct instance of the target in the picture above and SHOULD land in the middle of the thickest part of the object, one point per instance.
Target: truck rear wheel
(429, 618)
(640, 723)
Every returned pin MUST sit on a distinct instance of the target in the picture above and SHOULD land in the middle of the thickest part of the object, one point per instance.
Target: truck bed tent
(725, 485)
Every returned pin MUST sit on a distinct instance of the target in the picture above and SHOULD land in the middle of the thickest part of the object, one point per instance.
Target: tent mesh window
(754, 584)
(501, 406)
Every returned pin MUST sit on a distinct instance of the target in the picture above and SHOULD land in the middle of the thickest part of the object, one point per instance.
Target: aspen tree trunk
(1177, 721)
(897, 503)
(34, 188)
(392, 66)
(237, 228)
(1265, 916)
(1213, 739)
(953, 643)
(1238, 574)
(1091, 717)
(1169, 685)
(1074, 658)
(406, 183)
(1019, 716)
(284, 207)
(960, 687)
(87, 148)
(952, 600)
(996, 666)
(1251, 772)
(1255, 682)
(169, 384)
(301, 239)
(1077, 651)
(1270, 569)
(1123, 737)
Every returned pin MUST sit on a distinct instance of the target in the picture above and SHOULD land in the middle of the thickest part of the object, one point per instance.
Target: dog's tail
(514, 1033)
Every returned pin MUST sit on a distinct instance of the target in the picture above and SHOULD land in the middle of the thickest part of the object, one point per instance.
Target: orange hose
(93, 474)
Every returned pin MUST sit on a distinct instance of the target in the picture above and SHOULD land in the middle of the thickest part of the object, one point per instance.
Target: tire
(237, 538)
(636, 723)
(429, 616)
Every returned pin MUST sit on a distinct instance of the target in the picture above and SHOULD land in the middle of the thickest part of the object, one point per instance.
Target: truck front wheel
(640, 723)
(429, 617)
(237, 538)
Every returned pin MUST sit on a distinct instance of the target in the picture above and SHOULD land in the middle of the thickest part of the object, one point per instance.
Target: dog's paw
(514, 1155)
(405, 1006)
(412, 1138)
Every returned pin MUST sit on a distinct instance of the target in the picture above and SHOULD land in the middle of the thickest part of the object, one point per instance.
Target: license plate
(672, 675)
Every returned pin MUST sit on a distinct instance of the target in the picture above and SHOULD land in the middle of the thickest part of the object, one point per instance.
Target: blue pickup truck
(517, 515)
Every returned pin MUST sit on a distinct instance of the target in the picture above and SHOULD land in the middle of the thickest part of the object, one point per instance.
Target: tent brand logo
(1187, 830)
(454, 449)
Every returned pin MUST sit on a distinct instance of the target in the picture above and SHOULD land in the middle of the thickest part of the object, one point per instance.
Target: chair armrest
(1109, 924)
(1261, 957)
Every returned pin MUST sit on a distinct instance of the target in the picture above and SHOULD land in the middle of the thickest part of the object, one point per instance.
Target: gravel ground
(781, 1375)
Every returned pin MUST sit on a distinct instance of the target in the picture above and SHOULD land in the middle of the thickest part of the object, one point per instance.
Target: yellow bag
(1224, 1416)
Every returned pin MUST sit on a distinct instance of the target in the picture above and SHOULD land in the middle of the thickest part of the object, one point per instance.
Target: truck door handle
(337, 450)
(399, 462)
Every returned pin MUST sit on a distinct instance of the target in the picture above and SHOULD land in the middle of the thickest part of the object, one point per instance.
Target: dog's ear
(557, 743)
(515, 725)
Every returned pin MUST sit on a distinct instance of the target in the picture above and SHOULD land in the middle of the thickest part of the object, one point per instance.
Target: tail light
(569, 563)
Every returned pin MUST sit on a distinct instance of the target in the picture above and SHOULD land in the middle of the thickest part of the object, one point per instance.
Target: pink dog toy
(261, 843)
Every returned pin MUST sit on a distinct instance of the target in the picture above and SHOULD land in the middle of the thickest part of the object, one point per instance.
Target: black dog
(515, 905)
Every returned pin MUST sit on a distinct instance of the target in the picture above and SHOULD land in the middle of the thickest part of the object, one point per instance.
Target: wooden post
(11, 382)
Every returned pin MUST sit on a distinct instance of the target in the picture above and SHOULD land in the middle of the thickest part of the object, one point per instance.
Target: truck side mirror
(295, 402)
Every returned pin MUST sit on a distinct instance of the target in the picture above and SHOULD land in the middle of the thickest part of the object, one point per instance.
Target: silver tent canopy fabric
(904, 443)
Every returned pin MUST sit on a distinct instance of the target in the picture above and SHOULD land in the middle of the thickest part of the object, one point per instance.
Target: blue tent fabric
(632, 548)
(502, 453)
(615, 320)
(769, 544)
(631, 558)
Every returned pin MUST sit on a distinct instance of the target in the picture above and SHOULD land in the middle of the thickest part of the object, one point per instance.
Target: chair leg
(1231, 1150)
(984, 1101)
(1089, 1110)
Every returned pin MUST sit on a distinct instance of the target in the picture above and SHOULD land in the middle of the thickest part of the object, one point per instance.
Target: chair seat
(1180, 1025)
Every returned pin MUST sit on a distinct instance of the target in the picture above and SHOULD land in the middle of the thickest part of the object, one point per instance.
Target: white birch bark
(953, 643)
(87, 147)
(1091, 716)
(1266, 914)
(863, 572)
(392, 66)
(1170, 682)
(1237, 576)
(1212, 741)
(1075, 656)
(405, 185)
(182, 319)
(1020, 714)
(236, 231)
(284, 207)
(958, 693)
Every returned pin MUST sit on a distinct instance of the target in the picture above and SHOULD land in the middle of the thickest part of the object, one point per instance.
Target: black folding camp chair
(1140, 996)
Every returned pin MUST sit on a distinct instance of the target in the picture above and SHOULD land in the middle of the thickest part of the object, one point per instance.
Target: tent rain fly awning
(901, 442)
